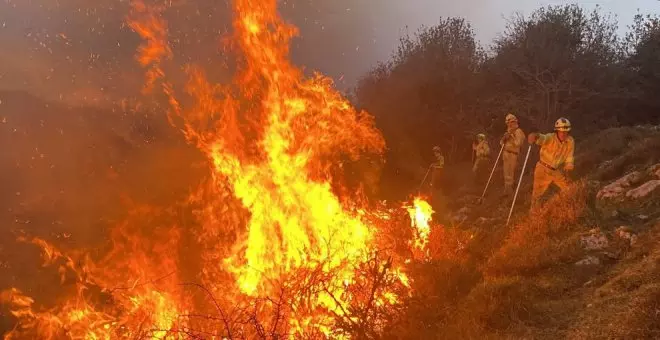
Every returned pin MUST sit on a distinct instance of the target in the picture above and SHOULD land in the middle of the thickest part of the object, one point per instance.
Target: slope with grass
(569, 269)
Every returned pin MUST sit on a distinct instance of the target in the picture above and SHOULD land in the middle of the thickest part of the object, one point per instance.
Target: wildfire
(277, 244)
(420, 216)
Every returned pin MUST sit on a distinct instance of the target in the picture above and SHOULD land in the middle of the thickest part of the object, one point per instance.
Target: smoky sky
(82, 50)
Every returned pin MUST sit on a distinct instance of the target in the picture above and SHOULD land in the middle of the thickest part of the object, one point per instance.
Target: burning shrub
(266, 247)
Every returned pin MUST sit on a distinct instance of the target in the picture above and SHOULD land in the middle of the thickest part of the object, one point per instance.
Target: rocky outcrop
(595, 240)
(630, 193)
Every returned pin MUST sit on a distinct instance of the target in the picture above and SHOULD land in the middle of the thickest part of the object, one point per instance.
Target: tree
(560, 61)
(643, 46)
(424, 95)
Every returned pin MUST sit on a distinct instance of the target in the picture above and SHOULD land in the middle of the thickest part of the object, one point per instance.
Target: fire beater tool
(424, 180)
(522, 172)
(491, 174)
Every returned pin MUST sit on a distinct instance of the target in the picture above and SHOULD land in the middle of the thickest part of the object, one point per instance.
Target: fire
(277, 244)
(420, 215)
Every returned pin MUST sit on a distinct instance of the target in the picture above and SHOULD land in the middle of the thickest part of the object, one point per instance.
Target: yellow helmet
(436, 149)
(510, 118)
(562, 124)
(481, 136)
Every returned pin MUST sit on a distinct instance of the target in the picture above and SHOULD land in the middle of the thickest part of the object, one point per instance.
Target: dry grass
(547, 236)
(627, 303)
(523, 283)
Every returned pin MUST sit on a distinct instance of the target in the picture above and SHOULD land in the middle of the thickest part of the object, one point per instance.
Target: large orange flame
(276, 241)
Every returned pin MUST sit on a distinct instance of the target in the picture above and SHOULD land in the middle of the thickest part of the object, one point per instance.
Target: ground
(544, 276)
(567, 270)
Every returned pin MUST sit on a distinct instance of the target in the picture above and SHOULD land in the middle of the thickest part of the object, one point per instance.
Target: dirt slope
(582, 267)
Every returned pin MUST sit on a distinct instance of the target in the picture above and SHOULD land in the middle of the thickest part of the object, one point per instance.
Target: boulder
(595, 240)
(630, 194)
(655, 170)
(619, 187)
(626, 234)
(644, 190)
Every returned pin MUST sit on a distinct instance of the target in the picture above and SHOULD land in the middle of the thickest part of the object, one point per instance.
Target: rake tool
(491, 174)
(522, 172)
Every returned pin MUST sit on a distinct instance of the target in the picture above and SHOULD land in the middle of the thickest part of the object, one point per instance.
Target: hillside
(585, 266)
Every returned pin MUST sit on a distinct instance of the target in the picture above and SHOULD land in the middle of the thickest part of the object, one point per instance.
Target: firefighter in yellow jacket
(437, 166)
(481, 151)
(482, 157)
(512, 140)
(556, 156)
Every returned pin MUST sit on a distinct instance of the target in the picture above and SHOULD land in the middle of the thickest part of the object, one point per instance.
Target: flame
(279, 237)
(420, 215)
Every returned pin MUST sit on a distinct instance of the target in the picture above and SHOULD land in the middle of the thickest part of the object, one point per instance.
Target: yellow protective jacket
(555, 153)
(482, 149)
(439, 163)
(515, 140)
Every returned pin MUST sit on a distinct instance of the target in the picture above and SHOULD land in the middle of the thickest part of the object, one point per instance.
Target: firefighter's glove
(505, 138)
(532, 138)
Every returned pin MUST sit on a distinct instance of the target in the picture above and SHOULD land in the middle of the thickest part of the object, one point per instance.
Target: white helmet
(481, 136)
(562, 124)
(510, 118)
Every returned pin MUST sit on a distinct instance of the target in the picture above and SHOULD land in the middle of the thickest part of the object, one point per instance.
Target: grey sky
(384, 21)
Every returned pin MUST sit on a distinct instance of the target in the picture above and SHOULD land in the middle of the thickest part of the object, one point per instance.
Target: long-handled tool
(522, 173)
(491, 173)
(424, 180)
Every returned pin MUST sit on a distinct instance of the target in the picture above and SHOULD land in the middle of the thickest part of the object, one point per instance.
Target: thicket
(442, 87)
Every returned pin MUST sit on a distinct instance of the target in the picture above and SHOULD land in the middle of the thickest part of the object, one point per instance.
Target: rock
(595, 240)
(588, 261)
(620, 186)
(655, 170)
(626, 234)
(644, 190)
(627, 196)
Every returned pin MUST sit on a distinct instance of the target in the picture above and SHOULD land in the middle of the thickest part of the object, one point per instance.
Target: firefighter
(437, 166)
(512, 141)
(556, 158)
(481, 151)
(437, 199)
(482, 155)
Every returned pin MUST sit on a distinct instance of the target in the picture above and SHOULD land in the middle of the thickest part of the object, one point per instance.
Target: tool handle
(492, 172)
(522, 173)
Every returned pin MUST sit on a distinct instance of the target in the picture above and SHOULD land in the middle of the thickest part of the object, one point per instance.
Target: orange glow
(276, 242)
